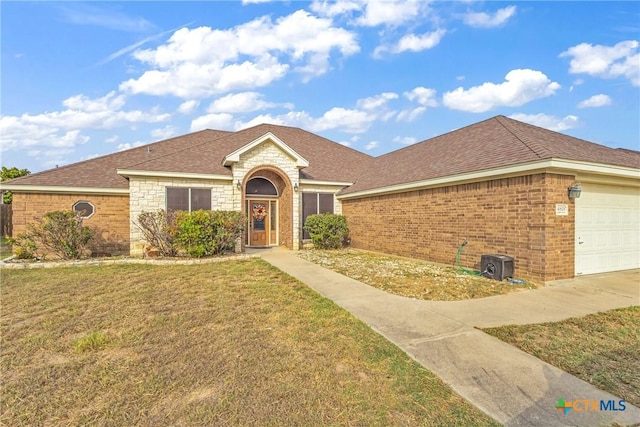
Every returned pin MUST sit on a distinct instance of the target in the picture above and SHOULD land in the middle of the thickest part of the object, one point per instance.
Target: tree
(8, 174)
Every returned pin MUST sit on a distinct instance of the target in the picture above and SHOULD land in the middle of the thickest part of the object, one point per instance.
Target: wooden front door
(259, 222)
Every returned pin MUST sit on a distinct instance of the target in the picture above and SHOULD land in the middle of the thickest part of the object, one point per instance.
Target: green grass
(602, 349)
(230, 343)
(410, 277)
(5, 248)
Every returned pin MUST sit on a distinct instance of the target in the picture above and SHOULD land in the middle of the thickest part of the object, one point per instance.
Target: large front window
(315, 203)
(188, 199)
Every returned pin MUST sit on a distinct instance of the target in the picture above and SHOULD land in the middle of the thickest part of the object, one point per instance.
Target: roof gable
(234, 157)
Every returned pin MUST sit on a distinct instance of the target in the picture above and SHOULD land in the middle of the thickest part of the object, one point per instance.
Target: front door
(258, 222)
(262, 215)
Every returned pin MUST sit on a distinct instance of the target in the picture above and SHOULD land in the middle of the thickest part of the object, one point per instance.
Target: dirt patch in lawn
(410, 277)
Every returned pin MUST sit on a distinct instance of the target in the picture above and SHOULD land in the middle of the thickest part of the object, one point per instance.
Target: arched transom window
(261, 186)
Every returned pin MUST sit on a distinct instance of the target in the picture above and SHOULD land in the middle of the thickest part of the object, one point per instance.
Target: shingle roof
(492, 143)
(100, 172)
(328, 161)
(203, 152)
(495, 142)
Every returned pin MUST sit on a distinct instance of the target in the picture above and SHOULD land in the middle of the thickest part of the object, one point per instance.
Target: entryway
(262, 217)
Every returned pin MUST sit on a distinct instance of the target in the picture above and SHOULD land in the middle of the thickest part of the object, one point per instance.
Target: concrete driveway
(556, 301)
(511, 386)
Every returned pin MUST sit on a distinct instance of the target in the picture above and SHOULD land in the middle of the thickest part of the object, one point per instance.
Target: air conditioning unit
(496, 267)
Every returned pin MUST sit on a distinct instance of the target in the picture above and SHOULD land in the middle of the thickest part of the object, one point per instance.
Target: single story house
(505, 186)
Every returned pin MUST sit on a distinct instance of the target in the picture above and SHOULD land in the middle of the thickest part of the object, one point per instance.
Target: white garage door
(607, 229)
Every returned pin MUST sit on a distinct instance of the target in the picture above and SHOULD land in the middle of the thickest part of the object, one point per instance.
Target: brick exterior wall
(511, 216)
(110, 220)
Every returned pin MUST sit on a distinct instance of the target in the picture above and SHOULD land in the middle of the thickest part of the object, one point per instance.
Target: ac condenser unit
(497, 267)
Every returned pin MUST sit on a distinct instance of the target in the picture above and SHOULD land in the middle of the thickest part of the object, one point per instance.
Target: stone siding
(269, 157)
(150, 194)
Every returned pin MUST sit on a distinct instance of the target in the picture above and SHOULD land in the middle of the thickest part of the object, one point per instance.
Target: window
(261, 186)
(83, 209)
(315, 203)
(188, 199)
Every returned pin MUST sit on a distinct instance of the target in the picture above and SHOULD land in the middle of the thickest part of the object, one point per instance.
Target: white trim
(93, 208)
(234, 157)
(549, 165)
(164, 174)
(335, 183)
(23, 188)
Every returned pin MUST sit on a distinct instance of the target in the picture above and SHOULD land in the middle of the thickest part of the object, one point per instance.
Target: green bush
(62, 233)
(205, 233)
(23, 246)
(159, 230)
(327, 231)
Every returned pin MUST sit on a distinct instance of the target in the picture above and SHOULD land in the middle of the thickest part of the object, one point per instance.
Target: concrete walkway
(509, 385)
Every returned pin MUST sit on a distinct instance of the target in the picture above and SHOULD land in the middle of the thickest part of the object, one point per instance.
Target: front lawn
(230, 343)
(602, 349)
(410, 277)
(5, 248)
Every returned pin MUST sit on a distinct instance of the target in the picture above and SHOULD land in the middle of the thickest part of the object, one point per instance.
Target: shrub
(23, 245)
(205, 233)
(327, 231)
(62, 233)
(159, 229)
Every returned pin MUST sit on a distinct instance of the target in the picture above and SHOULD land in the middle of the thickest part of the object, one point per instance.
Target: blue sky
(83, 79)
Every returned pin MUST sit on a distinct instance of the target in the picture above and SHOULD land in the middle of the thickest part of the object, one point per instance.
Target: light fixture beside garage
(574, 191)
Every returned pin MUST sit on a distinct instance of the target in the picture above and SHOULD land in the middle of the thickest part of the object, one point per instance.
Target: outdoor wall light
(295, 187)
(239, 185)
(575, 191)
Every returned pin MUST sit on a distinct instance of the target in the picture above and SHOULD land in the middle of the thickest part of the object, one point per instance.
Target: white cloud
(599, 100)
(242, 103)
(520, 87)
(371, 145)
(377, 101)
(188, 107)
(620, 60)
(346, 120)
(406, 140)
(412, 43)
(246, 2)
(486, 20)
(129, 145)
(212, 121)
(63, 128)
(164, 132)
(201, 62)
(424, 96)
(337, 118)
(548, 122)
(334, 8)
(410, 114)
(112, 139)
(390, 12)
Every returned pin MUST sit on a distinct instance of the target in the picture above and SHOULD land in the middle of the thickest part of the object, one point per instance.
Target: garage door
(607, 229)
